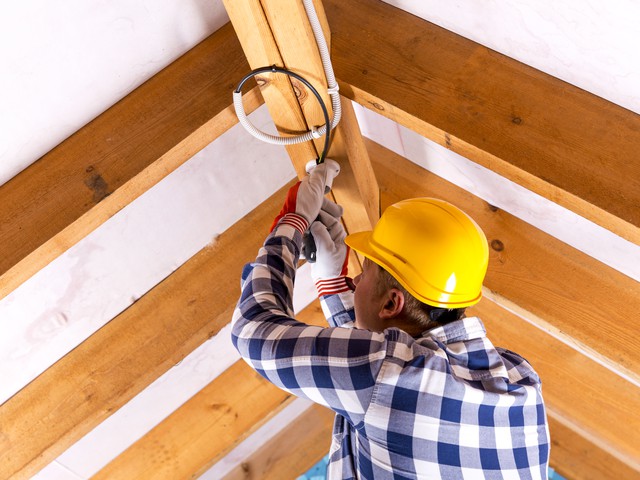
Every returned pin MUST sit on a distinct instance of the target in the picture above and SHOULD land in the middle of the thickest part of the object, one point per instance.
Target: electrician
(418, 389)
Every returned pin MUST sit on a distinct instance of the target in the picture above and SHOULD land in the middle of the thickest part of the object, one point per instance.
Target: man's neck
(409, 326)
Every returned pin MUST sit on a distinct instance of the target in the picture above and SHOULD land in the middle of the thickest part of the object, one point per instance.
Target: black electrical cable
(325, 112)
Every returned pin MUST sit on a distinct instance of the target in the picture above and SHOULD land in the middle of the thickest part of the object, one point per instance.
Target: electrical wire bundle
(332, 90)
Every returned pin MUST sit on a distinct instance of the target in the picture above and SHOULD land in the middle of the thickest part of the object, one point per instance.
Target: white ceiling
(64, 65)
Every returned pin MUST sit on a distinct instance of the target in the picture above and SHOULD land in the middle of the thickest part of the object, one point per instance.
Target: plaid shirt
(446, 405)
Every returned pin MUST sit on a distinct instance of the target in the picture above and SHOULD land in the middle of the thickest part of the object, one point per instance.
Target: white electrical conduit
(332, 89)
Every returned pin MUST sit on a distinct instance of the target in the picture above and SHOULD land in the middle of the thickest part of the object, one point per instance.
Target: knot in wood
(261, 81)
(299, 90)
(497, 245)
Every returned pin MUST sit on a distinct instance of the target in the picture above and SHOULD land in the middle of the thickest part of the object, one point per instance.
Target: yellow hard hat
(434, 249)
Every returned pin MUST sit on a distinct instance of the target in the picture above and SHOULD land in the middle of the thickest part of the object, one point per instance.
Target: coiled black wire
(325, 112)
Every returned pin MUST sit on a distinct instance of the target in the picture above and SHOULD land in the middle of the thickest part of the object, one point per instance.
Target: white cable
(332, 89)
(332, 85)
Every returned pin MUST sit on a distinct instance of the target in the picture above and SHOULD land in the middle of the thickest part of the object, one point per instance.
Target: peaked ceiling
(123, 245)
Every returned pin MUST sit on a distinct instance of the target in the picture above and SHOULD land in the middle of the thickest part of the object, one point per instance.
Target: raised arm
(335, 367)
(329, 272)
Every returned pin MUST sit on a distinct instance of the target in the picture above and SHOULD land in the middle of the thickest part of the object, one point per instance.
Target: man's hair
(426, 316)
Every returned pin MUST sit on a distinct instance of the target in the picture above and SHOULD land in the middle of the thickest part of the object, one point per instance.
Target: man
(418, 389)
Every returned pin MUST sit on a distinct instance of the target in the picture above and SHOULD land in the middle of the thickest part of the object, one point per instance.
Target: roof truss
(561, 142)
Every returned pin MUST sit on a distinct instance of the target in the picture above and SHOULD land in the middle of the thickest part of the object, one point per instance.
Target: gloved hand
(305, 197)
(330, 268)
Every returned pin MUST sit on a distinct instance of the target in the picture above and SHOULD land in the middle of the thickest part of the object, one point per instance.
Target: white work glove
(330, 268)
(305, 197)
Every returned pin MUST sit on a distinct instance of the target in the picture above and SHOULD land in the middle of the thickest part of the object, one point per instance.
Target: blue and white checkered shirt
(447, 405)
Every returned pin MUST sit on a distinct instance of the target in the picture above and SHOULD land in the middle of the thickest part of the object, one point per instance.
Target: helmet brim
(359, 242)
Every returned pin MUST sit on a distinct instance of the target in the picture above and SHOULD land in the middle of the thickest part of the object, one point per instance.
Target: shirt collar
(465, 329)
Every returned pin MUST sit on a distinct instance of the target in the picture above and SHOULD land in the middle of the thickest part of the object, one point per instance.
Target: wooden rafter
(564, 143)
(206, 427)
(261, 49)
(278, 33)
(130, 352)
(434, 96)
(114, 159)
(297, 448)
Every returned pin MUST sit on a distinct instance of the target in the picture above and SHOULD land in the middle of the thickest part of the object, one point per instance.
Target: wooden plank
(104, 166)
(297, 47)
(564, 143)
(356, 187)
(575, 457)
(265, 29)
(359, 182)
(255, 35)
(207, 426)
(126, 355)
(302, 444)
(569, 293)
(202, 430)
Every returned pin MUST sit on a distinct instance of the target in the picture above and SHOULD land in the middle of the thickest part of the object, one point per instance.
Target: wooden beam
(107, 164)
(564, 291)
(291, 453)
(131, 351)
(298, 51)
(578, 458)
(356, 188)
(202, 430)
(207, 426)
(279, 91)
(357, 180)
(266, 29)
(562, 142)
(572, 147)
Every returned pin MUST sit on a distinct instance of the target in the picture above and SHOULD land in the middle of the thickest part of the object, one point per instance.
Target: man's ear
(393, 304)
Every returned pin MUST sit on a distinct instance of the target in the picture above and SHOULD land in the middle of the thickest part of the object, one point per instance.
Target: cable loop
(315, 132)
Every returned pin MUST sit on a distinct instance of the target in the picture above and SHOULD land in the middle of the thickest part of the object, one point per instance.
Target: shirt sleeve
(335, 367)
(338, 309)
